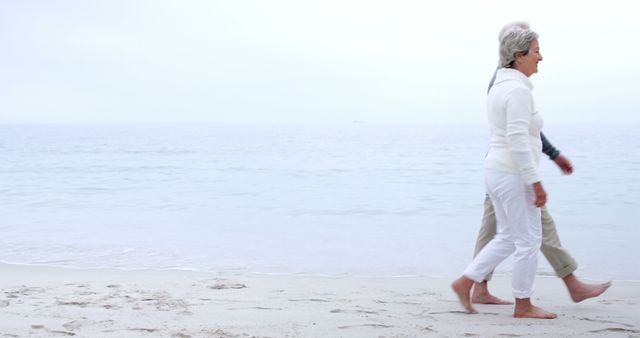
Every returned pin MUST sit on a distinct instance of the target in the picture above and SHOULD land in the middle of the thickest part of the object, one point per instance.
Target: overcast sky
(307, 61)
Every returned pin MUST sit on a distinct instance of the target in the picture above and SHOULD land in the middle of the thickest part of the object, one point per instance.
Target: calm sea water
(353, 199)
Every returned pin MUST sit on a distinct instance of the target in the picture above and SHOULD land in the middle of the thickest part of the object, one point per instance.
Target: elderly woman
(511, 174)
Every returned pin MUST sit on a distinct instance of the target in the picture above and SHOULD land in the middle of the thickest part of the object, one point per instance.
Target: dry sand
(56, 302)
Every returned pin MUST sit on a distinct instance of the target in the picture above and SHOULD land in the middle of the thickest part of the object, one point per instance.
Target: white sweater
(515, 144)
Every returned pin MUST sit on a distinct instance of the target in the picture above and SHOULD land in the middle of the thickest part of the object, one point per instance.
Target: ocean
(352, 199)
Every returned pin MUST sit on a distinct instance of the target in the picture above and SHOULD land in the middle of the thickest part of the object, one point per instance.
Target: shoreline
(55, 302)
(501, 274)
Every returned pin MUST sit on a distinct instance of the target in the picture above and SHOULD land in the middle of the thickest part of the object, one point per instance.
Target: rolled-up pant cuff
(567, 270)
(473, 278)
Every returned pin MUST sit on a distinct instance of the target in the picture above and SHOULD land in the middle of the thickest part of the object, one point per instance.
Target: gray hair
(514, 38)
(511, 26)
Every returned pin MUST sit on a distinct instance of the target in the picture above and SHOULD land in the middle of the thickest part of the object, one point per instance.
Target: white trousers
(519, 230)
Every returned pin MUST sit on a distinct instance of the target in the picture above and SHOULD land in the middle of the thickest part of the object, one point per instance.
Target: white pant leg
(518, 229)
(525, 220)
(501, 246)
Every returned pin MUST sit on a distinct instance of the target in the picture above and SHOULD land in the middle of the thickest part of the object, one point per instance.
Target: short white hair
(515, 37)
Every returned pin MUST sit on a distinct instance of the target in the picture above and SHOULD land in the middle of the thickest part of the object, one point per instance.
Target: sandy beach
(57, 302)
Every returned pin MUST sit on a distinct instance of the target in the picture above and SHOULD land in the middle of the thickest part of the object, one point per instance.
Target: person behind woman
(511, 176)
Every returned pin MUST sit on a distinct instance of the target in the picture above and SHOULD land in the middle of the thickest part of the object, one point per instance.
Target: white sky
(307, 61)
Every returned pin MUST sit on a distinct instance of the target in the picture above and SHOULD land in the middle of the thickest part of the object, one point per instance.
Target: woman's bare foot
(462, 287)
(481, 295)
(524, 309)
(580, 291)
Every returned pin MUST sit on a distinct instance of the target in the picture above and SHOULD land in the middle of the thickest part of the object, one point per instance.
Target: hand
(541, 195)
(564, 164)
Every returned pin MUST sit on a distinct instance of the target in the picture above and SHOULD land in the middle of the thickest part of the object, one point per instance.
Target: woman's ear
(517, 56)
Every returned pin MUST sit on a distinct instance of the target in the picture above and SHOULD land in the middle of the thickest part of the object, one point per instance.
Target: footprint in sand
(220, 284)
(72, 303)
(221, 333)
(72, 325)
(381, 326)
(223, 286)
(111, 307)
(310, 300)
(24, 291)
(255, 308)
(610, 301)
(367, 312)
(615, 329)
(161, 301)
(428, 329)
(141, 329)
(63, 332)
(604, 321)
(446, 312)
(42, 327)
(79, 323)
(180, 335)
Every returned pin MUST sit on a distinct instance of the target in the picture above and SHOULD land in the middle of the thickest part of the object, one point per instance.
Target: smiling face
(528, 64)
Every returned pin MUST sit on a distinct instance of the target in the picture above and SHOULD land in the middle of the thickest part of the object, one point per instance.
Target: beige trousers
(558, 257)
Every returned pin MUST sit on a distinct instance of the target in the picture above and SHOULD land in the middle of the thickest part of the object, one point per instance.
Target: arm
(554, 154)
(548, 148)
(519, 109)
(493, 80)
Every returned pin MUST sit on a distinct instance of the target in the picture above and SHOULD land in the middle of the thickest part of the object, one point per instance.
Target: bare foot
(532, 311)
(481, 295)
(584, 291)
(462, 287)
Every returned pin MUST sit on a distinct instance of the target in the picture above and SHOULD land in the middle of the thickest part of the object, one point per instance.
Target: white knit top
(515, 144)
